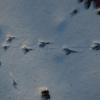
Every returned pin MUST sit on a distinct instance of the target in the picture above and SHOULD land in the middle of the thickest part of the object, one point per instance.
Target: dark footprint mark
(98, 11)
(74, 12)
(10, 38)
(43, 44)
(45, 94)
(5, 46)
(26, 49)
(87, 4)
(95, 46)
(68, 51)
(15, 84)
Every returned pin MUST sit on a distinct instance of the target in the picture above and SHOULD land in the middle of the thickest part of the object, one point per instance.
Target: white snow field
(73, 76)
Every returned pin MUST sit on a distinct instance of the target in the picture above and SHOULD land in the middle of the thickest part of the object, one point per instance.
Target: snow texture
(65, 23)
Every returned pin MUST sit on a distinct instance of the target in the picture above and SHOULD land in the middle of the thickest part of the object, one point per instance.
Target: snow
(71, 77)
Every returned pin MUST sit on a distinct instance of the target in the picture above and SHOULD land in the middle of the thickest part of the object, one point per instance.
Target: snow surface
(68, 77)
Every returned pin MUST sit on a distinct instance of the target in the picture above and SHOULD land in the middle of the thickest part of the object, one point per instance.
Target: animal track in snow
(95, 45)
(14, 82)
(68, 51)
(10, 37)
(43, 44)
(5, 46)
(74, 12)
(26, 48)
